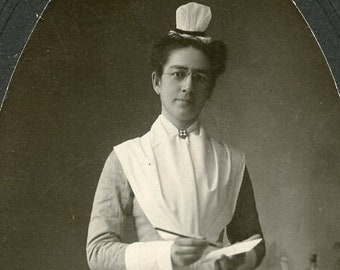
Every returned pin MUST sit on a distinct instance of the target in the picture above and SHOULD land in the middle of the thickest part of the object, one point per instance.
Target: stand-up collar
(172, 130)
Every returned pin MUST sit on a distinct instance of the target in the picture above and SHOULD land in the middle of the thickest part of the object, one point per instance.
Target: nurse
(184, 189)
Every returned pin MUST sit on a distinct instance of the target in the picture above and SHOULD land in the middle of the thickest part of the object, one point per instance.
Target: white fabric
(155, 255)
(189, 186)
(193, 17)
(148, 256)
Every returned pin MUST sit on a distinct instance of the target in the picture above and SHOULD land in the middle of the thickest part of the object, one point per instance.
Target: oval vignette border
(18, 20)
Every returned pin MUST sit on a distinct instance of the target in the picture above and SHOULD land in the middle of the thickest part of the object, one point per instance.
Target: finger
(189, 259)
(217, 265)
(184, 259)
(191, 242)
(184, 250)
(238, 258)
(225, 263)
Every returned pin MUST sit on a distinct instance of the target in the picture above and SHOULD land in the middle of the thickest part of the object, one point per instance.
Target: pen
(181, 235)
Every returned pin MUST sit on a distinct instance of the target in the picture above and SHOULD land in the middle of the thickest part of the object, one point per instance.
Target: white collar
(172, 130)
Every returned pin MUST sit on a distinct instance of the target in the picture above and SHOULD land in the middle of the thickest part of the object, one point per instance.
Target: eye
(200, 78)
(178, 74)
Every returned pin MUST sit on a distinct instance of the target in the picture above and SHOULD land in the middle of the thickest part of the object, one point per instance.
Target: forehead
(189, 58)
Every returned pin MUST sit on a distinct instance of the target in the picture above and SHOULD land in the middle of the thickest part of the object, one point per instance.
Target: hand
(230, 263)
(185, 251)
(233, 262)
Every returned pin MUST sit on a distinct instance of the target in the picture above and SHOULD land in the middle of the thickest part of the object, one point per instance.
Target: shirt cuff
(154, 255)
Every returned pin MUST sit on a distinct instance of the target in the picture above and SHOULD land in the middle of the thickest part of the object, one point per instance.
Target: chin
(188, 117)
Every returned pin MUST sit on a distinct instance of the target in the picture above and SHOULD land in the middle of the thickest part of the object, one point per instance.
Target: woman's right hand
(185, 251)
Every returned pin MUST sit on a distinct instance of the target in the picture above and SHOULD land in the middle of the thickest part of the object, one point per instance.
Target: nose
(187, 84)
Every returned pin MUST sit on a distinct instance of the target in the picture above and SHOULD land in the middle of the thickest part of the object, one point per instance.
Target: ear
(156, 80)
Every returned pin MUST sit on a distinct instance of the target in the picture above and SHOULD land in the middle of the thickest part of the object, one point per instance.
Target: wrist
(148, 255)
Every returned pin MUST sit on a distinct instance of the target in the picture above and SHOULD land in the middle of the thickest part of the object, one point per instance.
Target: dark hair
(215, 51)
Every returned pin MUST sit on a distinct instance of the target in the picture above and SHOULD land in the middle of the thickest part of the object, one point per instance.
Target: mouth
(185, 100)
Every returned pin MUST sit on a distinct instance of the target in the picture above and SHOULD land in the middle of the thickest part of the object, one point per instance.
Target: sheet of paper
(234, 249)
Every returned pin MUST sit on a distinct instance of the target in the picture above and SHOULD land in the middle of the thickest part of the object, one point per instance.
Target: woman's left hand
(230, 263)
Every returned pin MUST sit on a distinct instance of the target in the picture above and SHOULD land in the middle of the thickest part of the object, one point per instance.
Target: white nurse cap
(192, 20)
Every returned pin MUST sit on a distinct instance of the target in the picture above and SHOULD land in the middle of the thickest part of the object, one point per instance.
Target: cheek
(167, 97)
(203, 96)
(169, 91)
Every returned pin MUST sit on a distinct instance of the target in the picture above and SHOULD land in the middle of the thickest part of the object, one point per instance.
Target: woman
(176, 179)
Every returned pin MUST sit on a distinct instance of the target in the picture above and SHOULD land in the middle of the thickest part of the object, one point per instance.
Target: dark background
(83, 85)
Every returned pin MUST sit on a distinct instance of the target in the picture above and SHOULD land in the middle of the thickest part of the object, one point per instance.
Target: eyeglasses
(198, 78)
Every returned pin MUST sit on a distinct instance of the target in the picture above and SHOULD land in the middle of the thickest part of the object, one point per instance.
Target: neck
(180, 124)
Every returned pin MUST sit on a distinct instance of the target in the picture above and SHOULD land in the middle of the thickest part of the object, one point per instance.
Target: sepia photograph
(160, 135)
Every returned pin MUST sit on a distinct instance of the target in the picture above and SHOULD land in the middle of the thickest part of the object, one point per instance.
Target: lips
(185, 100)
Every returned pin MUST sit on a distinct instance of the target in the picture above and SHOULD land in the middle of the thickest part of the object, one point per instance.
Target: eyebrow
(186, 68)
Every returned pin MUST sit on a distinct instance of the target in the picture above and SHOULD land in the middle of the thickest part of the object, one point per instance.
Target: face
(184, 86)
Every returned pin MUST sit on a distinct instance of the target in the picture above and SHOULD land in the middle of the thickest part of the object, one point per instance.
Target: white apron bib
(189, 186)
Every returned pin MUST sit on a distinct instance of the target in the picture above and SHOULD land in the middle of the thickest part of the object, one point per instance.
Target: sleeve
(245, 221)
(112, 205)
